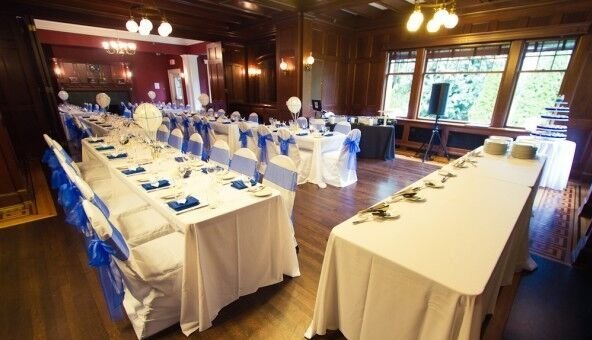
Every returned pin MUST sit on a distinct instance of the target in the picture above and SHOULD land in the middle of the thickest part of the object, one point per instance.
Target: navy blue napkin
(205, 170)
(328, 135)
(119, 155)
(189, 203)
(161, 184)
(180, 159)
(104, 148)
(302, 134)
(133, 171)
(226, 122)
(90, 140)
(240, 185)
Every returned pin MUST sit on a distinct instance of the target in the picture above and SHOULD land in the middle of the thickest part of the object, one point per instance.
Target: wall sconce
(56, 68)
(283, 65)
(254, 71)
(182, 75)
(308, 62)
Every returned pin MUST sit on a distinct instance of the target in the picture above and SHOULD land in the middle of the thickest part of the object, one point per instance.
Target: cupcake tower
(558, 113)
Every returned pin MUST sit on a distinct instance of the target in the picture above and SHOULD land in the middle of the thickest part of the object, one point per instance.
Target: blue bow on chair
(77, 217)
(58, 177)
(262, 144)
(352, 147)
(99, 254)
(173, 122)
(285, 144)
(68, 196)
(198, 126)
(205, 128)
(50, 159)
(243, 137)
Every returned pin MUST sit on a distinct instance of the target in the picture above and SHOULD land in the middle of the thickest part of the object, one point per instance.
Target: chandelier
(145, 25)
(119, 47)
(444, 15)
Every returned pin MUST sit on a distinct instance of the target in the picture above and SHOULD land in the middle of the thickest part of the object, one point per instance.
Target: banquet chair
(166, 121)
(246, 138)
(163, 133)
(244, 161)
(195, 145)
(208, 136)
(253, 117)
(90, 170)
(302, 122)
(266, 147)
(137, 221)
(317, 123)
(339, 167)
(221, 113)
(176, 139)
(281, 175)
(220, 153)
(210, 112)
(287, 145)
(152, 273)
(235, 116)
(342, 127)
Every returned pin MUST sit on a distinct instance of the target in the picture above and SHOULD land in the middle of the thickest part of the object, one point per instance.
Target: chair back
(302, 122)
(244, 161)
(163, 133)
(220, 153)
(176, 139)
(342, 127)
(235, 116)
(208, 136)
(317, 123)
(266, 146)
(246, 138)
(195, 145)
(287, 145)
(347, 161)
(253, 117)
(281, 175)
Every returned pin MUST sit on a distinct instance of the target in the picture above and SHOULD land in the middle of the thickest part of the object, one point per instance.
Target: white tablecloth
(242, 245)
(559, 154)
(97, 130)
(317, 146)
(435, 272)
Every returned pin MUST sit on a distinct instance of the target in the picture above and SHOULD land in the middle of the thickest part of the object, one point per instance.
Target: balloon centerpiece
(204, 100)
(152, 95)
(294, 105)
(103, 100)
(63, 95)
(149, 118)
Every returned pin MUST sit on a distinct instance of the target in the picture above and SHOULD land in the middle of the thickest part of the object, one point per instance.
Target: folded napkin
(180, 159)
(161, 184)
(133, 171)
(104, 147)
(205, 170)
(226, 122)
(328, 134)
(302, 134)
(119, 155)
(92, 141)
(240, 185)
(190, 202)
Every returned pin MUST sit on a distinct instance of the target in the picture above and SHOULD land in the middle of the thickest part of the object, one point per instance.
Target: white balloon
(151, 95)
(294, 104)
(63, 95)
(103, 100)
(204, 99)
(148, 117)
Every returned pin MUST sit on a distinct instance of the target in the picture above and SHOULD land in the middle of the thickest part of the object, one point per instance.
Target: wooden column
(506, 90)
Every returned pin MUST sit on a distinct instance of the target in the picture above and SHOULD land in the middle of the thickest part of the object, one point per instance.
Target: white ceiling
(112, 33)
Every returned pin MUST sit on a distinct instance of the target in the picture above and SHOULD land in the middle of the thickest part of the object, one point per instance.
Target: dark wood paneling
(216, 66)
(289, 47)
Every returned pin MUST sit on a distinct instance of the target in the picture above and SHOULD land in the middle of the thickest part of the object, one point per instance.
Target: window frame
(387, 73)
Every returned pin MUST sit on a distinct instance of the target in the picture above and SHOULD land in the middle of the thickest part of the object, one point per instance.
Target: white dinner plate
(262, 193)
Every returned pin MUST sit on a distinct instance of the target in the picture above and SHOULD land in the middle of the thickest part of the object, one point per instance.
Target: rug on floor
(553, 223)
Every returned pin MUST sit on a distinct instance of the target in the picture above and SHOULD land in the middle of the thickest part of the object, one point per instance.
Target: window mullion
(508, 82)
(420, 66)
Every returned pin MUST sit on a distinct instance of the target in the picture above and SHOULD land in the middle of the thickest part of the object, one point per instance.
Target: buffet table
(243, 244)
(435, 271)
(559, 154)
(378, 141)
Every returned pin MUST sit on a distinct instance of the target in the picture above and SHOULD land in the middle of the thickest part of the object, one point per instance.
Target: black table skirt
(377, 141)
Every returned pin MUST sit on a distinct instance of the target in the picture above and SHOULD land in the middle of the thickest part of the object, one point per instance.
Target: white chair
(244, 161)
(253, 117)
(208, 136)
(266, 147)
(339, 167)
(246, 138)
(195, 145)
(342, 127)
(152, 274)
(220, 153)
(317, 123)
(98, 177)
(281, 175)
(235, 116)
(163, 133)
(302, 122)
(221, 113)
(210, 112)
(176, 139)
(287, 145)
(167, 122)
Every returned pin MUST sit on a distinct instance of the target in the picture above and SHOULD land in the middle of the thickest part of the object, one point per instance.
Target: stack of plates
(504, 138)
(524, 150)
(496, 146)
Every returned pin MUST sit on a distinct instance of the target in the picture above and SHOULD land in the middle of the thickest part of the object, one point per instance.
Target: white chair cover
(176, 139)
(281, 175)
(235, 116)
(302, 122)
(287, 145)
(342, 127)
(244, 161)
(339, 167)
(253, 117)
(220, 153)
(167, 122)
(317, 123)
(266, 146)
(246, 138)
(195, 145)
(163, 133)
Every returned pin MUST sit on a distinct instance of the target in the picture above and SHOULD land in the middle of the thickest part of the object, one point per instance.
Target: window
(543, 66)
(474, 74)
(399, 77)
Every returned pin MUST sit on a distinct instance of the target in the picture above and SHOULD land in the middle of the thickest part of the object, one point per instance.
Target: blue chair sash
(77, 218)
(194, 148)
(352, 147)
(282, 177)
(96, 200)
(243, 137)
(198, 126)
(285, 144)
(262, 144)
(58, 177)
(207, 146)
(173, 120)
(68, 196)
(244, 165)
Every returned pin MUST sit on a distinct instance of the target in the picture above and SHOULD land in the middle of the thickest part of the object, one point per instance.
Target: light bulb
(131, 46)
(114, 44)
(415, 20)
(441, 15)
(451, 20)
(131, 25)
(433, 25)
(283, 65)
(129, 74)
(165, 29)
(105, 45)
(310, 59)
(145, 26)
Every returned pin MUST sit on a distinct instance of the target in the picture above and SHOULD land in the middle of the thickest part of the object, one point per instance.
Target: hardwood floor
(48, 291)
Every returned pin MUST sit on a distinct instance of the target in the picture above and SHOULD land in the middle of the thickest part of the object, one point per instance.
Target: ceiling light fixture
(145, 26)
(119, 47)
(444, 16)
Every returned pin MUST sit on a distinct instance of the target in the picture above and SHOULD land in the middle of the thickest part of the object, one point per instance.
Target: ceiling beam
(310, 5)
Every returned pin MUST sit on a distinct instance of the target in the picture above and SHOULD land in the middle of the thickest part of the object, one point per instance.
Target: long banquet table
(243, 244)
(435, 272)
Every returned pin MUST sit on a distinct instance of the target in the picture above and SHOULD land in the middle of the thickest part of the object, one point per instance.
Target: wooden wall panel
(289, 47)
(216, 65)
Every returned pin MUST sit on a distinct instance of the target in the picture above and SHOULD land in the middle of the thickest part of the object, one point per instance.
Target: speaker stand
(430, 144)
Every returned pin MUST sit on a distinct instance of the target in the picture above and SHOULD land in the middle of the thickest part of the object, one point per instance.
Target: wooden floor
(47, 290)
